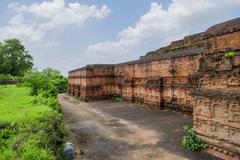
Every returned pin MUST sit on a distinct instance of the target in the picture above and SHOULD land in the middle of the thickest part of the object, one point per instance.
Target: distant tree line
(16, 65)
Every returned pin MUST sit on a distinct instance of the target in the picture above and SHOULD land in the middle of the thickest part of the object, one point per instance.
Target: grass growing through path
(28, 131)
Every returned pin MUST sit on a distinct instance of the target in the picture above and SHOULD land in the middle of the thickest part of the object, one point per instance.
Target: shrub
(49, 82)
(230, 54)
(39, 138)
(116, 98)
(5, 134)
(39, 100)
(50, 102)
(191, 141)
(9, 79)
(45, 86)
(53, 103)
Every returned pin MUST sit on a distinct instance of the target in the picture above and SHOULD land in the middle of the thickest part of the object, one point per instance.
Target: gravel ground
(108, 130)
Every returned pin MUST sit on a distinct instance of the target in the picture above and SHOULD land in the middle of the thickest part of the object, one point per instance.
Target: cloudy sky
(68, 34)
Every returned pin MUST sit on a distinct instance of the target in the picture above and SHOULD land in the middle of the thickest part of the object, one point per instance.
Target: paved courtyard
(109, 130)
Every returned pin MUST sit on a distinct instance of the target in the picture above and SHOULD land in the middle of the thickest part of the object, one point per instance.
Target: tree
(49, 82)
(14, 59)
(35, 81)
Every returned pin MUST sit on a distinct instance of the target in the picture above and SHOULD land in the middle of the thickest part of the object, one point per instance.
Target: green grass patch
(15, 105)
(28, 131)
(116, 98)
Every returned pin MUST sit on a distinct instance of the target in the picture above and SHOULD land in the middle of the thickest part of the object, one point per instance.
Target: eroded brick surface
(192, 74)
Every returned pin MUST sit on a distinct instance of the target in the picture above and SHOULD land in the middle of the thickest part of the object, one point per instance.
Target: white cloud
(106, 49)
(17, 28)
(46, 9)
(32, 22)
(169, 24)
(76, 14)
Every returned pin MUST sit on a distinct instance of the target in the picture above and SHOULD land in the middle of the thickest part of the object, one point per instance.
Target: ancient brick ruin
(194, 75)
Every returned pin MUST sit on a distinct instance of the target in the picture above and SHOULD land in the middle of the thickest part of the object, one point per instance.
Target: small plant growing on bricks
(230, 54)
(116, 98)
(191, 141)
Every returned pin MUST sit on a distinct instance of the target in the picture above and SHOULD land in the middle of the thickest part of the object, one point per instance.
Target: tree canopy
(14, 58)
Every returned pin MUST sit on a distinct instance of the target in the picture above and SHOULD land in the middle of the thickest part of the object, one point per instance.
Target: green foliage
(49, 82)
(9, 79)
(31, 128)
(191, 141)
(14, 59)
(82, 152)
(33, 138)
(15, 104)
(45, 86)
(6, 77)
(116, 98)
(5, 134)
(35, 81)
(50, 102)
(53, 103)
(28, 131)
(230, 54)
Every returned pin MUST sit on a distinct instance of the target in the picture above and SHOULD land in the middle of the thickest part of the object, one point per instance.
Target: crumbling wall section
(196, 74)
(172, 65)
(216, 109)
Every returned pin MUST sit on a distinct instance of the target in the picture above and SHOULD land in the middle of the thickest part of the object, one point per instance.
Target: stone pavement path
(108, 130)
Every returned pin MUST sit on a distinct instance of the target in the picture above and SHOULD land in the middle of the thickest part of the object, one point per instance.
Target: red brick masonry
(191, 75)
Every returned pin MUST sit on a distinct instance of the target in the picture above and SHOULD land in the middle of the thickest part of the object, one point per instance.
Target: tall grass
(28, 131)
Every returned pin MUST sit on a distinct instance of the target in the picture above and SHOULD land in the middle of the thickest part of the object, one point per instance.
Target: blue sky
(72, 33)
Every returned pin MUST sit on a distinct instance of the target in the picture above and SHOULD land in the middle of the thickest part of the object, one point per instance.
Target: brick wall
(216, 109)
(173, 66)
(191, 74)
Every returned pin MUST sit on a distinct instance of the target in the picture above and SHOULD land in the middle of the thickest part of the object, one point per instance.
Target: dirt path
(108, 130)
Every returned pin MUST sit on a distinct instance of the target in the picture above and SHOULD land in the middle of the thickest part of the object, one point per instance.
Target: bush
(50, 102)
(5, 134)
(9, 79)
(49, 82)
(45, 86)
(191, 141)
(34, 139)
(39, 100)
(27, 131)
(230, 54)
(53, 103)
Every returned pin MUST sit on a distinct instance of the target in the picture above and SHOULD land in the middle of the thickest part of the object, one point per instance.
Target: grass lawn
(16, 106)
(28, 131)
